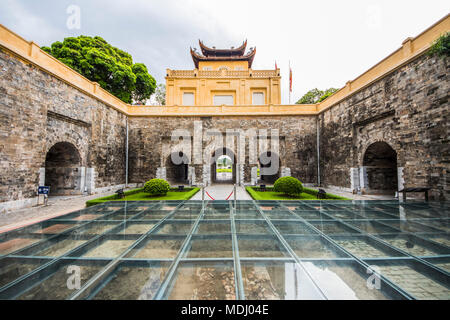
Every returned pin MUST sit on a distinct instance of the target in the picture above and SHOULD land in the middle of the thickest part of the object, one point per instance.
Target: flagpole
(289, 81)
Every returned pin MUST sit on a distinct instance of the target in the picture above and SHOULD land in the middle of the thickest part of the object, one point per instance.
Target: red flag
(276, 65)
(290, 79)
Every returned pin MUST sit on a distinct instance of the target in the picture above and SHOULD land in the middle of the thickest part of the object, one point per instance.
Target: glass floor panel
(109, 249)
(417, 279)
(15, 244)
(57, 285)
(201, 248)
(135, 228)
(195, 281)
(14, 268)
(344, 280)
(261, 247)
(276, 280)
(232, 250)
(157, 248)
(292, 227)
(415, 245)
(314, 247)
(142, 281)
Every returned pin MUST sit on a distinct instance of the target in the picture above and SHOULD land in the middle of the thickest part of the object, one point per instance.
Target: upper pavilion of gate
(223, 77)
(233, 54)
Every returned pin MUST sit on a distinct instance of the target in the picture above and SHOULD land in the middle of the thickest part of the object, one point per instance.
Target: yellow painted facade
(222, 78)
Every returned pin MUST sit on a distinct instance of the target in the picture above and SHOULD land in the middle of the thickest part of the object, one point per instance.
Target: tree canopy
(441, 46)
(111, 67)
(315, 95)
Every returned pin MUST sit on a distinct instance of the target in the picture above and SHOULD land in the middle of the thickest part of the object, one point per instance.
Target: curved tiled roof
(196, 57)
(207, 51)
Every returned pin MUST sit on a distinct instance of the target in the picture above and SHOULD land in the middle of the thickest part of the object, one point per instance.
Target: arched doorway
(380, 161)
(63, 169)
(223, 166)
(177, 171)
(269, 167)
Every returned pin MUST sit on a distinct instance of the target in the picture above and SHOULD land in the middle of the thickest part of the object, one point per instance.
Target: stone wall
(37, 111)
(151, 143)
(408, 109)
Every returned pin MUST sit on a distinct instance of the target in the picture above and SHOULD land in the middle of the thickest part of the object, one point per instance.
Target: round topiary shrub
(157, 187)
(288, 185)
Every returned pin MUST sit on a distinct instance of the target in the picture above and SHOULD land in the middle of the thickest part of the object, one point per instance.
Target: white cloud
(328, 42)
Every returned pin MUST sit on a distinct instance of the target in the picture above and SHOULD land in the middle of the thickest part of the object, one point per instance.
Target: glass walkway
(232, 250)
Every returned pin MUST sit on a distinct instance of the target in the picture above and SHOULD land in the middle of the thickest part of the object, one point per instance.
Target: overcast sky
(328, 42)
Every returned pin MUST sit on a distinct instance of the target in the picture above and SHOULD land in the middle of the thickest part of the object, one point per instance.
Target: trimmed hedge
(157, 187)
(288, 185)
(187, 194)
(253, 193)
(93, 202)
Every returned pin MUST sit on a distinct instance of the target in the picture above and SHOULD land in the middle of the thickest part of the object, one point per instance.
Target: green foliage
(329, 92)
(145, 83)
(269, 194)
(441, 47)
(288, 185)
(315, 95)
(311, 97)
(140, 195)
(111, 67)
(157, 187)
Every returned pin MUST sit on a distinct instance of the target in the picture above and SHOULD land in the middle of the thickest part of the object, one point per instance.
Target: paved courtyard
(56, 206)
(221, 192)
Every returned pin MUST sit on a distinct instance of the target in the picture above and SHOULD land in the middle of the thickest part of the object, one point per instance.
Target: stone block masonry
(150, 150)
(409, 110)
(386, 130)
(38, 112)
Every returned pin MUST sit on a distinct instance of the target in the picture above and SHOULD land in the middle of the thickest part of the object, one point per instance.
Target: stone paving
(57, 206)
(420, 286)
(361, 248)
(416, 250)
(221, 192)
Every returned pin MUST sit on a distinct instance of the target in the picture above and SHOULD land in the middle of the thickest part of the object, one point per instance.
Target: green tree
(315, 95)
(329, 92)
(111, 67)
(311, 97)
(160, 95)
(145, 83)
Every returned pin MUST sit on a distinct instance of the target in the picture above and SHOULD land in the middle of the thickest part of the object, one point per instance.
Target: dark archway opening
(269, 167)
(380, 161)
(62, 169)
(177, 168)
(217, 163)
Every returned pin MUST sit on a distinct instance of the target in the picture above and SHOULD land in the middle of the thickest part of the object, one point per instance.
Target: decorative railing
(223, 73)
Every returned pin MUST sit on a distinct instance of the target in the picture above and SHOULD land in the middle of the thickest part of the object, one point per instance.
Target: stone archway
(215, 156)
(63, 171)
(380, 165)
(177, 172)
(269, 166)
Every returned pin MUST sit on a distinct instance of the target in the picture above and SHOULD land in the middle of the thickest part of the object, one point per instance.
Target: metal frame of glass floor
(232, 250)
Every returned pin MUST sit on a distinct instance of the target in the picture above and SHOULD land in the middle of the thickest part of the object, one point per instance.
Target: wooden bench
(418, 189)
